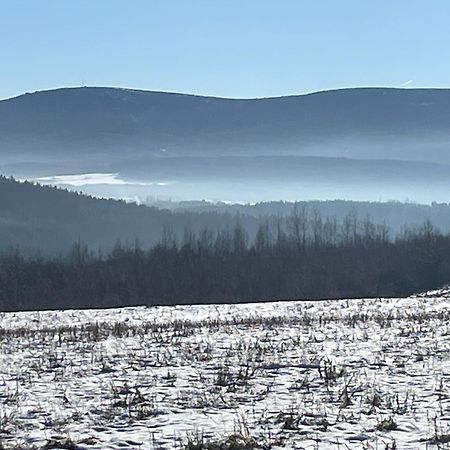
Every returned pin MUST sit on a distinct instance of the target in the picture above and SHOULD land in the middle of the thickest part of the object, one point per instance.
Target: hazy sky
(242, 48)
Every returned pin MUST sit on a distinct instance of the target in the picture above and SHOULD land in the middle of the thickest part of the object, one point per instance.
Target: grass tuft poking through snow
(348, 374)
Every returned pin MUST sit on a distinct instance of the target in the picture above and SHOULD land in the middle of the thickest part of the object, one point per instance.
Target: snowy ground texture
(349, 374)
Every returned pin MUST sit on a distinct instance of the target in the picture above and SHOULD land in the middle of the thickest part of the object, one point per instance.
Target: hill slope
(365, 122)
(49, 220)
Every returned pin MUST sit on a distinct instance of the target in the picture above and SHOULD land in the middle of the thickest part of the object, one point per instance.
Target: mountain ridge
(149, 136)
(218, 97)
(393, 123)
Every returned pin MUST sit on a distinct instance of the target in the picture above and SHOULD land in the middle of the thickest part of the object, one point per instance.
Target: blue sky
(245, 48)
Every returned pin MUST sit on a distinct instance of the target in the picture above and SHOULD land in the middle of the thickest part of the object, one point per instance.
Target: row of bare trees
(301, 257)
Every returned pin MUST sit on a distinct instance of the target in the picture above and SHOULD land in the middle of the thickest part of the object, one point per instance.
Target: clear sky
(230, 48)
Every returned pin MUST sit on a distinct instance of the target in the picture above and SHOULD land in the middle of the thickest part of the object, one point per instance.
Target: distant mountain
(358, 144)
(406, 124)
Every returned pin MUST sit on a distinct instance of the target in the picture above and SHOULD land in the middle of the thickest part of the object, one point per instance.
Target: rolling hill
(408, 124)
(358, 144)
(47, 220)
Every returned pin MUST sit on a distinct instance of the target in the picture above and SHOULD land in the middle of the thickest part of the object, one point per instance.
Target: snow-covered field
(349, 374)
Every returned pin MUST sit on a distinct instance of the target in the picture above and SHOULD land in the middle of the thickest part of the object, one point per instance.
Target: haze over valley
(373, 144)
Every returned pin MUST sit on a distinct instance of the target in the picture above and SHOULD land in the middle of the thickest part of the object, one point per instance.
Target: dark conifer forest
(46, 221)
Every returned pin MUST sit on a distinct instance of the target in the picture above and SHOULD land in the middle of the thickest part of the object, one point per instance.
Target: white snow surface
(341, 374)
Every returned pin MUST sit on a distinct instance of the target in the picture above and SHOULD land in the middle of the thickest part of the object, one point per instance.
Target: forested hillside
(46, 220)
(395, 215)
(40, 219)
(408, 124)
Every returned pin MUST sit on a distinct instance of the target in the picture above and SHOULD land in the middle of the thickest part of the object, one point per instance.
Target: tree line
(47, 220)
(303, 256)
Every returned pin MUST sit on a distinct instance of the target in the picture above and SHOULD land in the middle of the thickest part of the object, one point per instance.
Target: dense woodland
(125, 254)
(396, 215)
(301, 258)
(45, 220)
